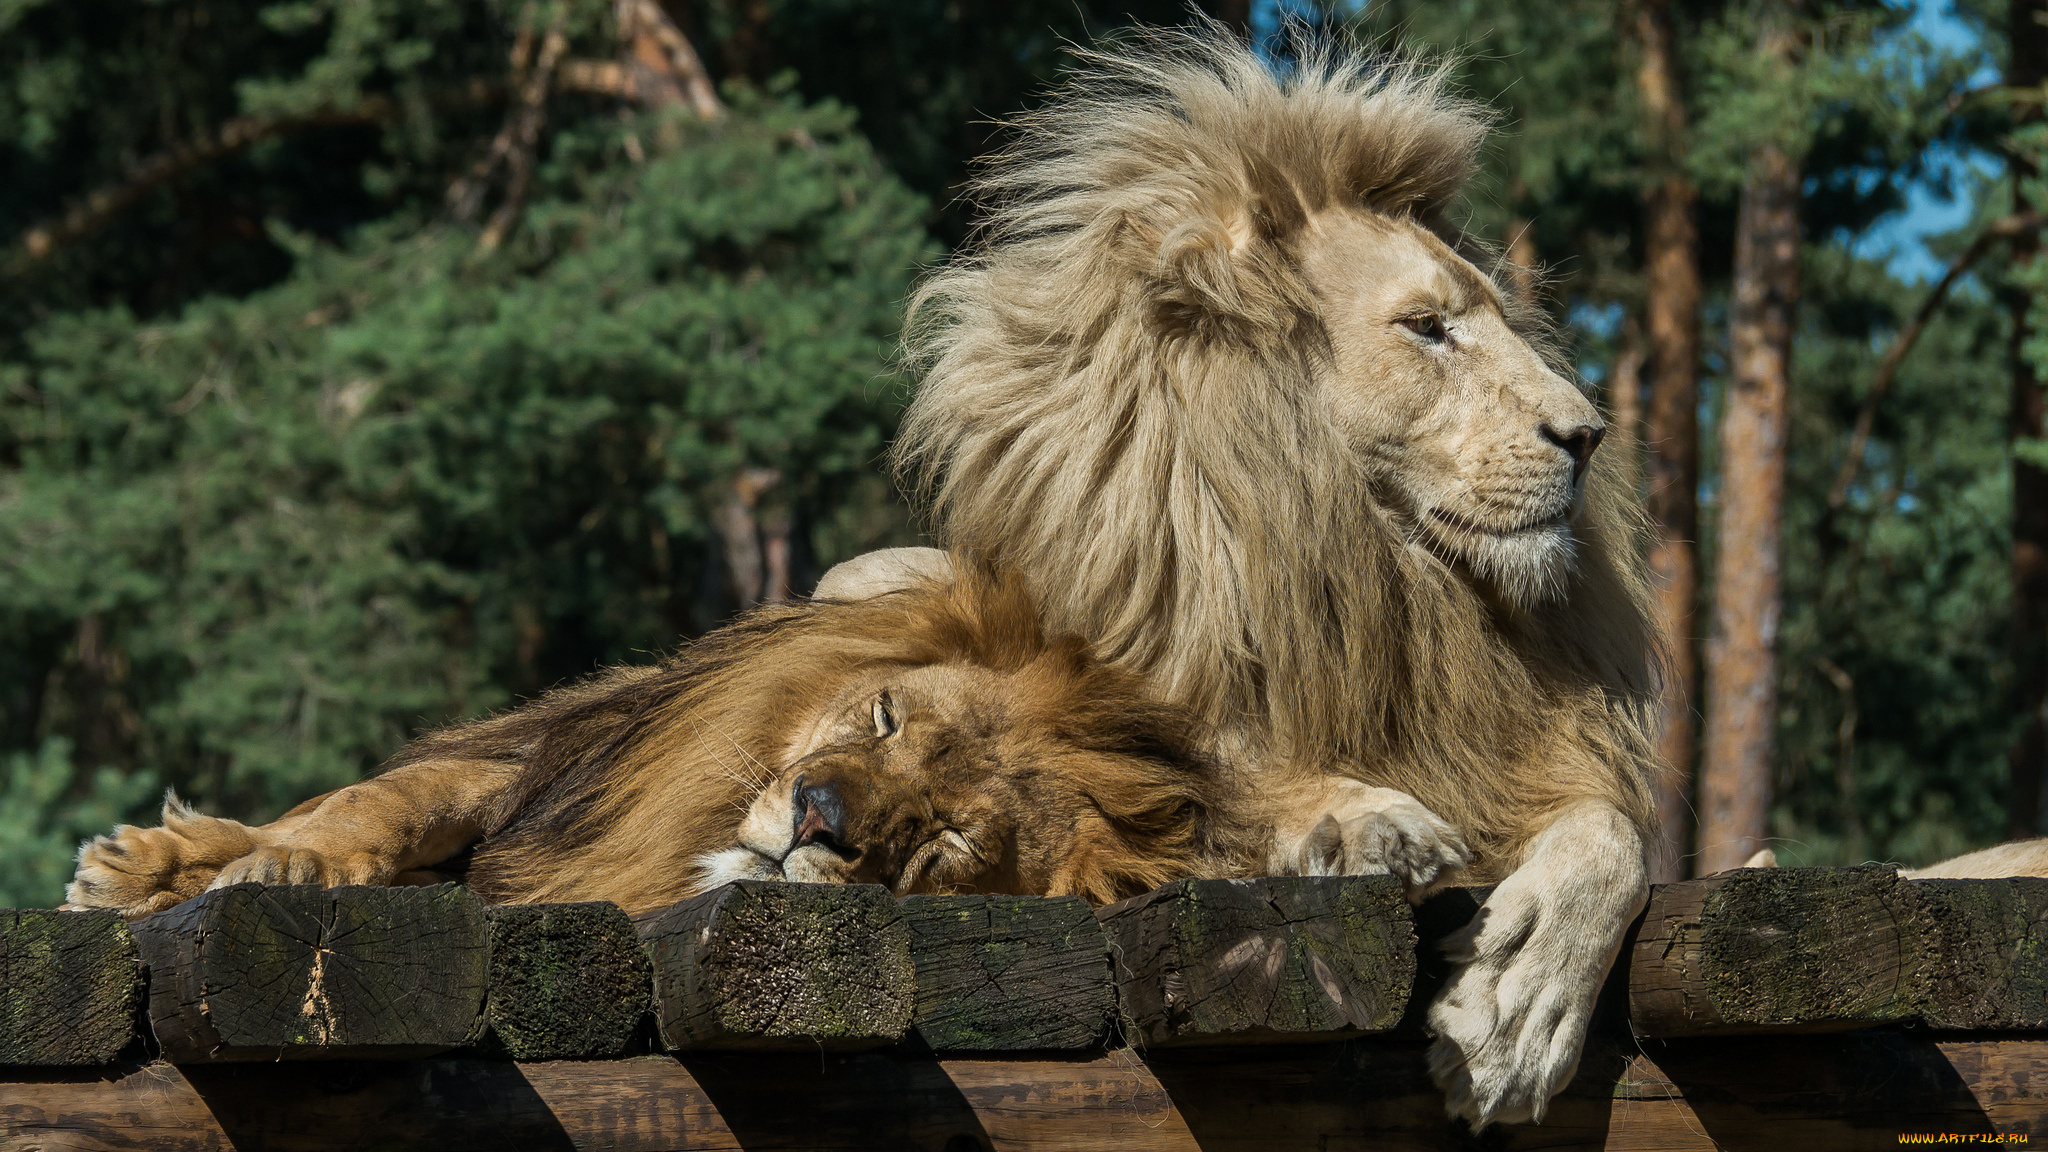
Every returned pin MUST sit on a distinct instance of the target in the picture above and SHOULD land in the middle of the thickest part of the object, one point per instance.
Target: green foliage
(408, 479)
(290, 468)
(44, 815)
(1894, 720)
(1569, 149)
(931, 78)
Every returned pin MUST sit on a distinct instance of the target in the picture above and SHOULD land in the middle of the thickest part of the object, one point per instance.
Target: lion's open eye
(886, 721)
(1427, 325)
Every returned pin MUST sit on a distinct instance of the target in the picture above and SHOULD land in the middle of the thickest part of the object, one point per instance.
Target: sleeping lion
(932, 739)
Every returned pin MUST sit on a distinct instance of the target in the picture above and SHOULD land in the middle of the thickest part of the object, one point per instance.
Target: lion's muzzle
(820, 816)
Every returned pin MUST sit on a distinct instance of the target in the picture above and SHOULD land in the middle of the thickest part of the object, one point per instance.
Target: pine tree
(2025, 74)
(1671, 308)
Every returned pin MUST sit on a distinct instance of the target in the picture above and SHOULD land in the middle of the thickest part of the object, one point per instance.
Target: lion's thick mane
(631, 777)
(1120, 398)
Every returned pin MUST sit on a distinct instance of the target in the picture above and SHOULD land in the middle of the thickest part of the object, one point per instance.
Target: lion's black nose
(820, 816)
(1578, 442)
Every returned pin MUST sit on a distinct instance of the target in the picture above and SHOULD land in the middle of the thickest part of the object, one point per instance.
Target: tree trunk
(1520, 246)
(2025, 74)
(661, 66)
(1235, 15)
(1671, 305)
(1742, 667)
(756, 563)
(1624, 395)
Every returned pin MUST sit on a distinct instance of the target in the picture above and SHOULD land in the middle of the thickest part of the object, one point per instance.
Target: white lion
(1218, 380)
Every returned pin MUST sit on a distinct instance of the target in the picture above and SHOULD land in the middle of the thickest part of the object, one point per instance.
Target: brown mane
(633, 775)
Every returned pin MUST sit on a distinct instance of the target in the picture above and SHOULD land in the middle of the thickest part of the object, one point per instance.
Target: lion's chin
(1526, 566)
(723, 867)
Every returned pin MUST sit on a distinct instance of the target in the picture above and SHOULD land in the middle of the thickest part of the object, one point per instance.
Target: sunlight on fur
(1148, 415)
(1219, 378)
(957, 747)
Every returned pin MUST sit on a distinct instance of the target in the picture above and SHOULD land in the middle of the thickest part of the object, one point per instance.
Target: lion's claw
(1511, 1021)
(140, 871)
(1366, 831)
(286, 864)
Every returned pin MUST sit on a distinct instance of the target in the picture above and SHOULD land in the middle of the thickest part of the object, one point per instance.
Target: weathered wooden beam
(1780, 949)
(568, 981)
(765, 966)
(1270, 960)
(69, 982)
(1993, 941)
(250, 972)
(1446, 911)
(1008, 973)
(1851, 1092)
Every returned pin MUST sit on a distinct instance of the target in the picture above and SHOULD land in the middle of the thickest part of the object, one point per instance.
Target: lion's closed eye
(887, 714)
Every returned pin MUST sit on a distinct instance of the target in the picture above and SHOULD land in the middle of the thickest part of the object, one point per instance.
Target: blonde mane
(1120, 398)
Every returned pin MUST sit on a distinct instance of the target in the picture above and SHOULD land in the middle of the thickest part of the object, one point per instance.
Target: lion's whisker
(766, 774)
(756, 782)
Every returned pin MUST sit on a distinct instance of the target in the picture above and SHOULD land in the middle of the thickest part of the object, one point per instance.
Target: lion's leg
(406, 820)
(1512, 1019)
(883, 570)
(138, 871)
(2019, 858)
(1336, 826)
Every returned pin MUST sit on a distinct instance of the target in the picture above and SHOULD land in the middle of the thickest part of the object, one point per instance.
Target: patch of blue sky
(1269, 16)
(1940, 200)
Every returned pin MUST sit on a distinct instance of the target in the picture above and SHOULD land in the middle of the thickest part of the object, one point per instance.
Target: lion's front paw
(284, 863)
(138, 871)
(1511, 1022)
(1366, 831)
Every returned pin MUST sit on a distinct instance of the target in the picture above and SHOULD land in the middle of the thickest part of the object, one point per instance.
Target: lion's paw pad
(138, 871)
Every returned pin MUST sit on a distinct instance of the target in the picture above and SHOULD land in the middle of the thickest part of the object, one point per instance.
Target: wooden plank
(1993, 939)
(721, 1101)
(1859, 1090)
(69, 985)
(1008, 974)
(1445, 911)
(255, 972)
(765, 966)
(1824, 1092)
(568, 981)
(1780, 949)
(1270, 960)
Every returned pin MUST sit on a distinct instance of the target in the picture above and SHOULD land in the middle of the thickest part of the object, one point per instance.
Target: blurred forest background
(369, 364)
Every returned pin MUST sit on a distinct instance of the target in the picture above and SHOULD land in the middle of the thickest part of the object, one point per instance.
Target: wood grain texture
(765, 966)
(251, 972)
(1843, 1091)
(69, 985)
(1270, 960)
(1780, 949)
(568, 981)
(1857, 1090)
(1008, 973)
(1993, 941)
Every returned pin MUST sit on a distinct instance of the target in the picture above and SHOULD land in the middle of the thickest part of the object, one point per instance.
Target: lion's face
(1461, 427)
(923, 780)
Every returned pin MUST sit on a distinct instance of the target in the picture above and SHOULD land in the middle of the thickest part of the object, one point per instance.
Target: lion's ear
(1221, 262)
(1275, 205)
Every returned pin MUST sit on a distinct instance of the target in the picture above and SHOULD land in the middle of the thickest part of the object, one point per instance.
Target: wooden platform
(1800, 1008)
(1859, 1091)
